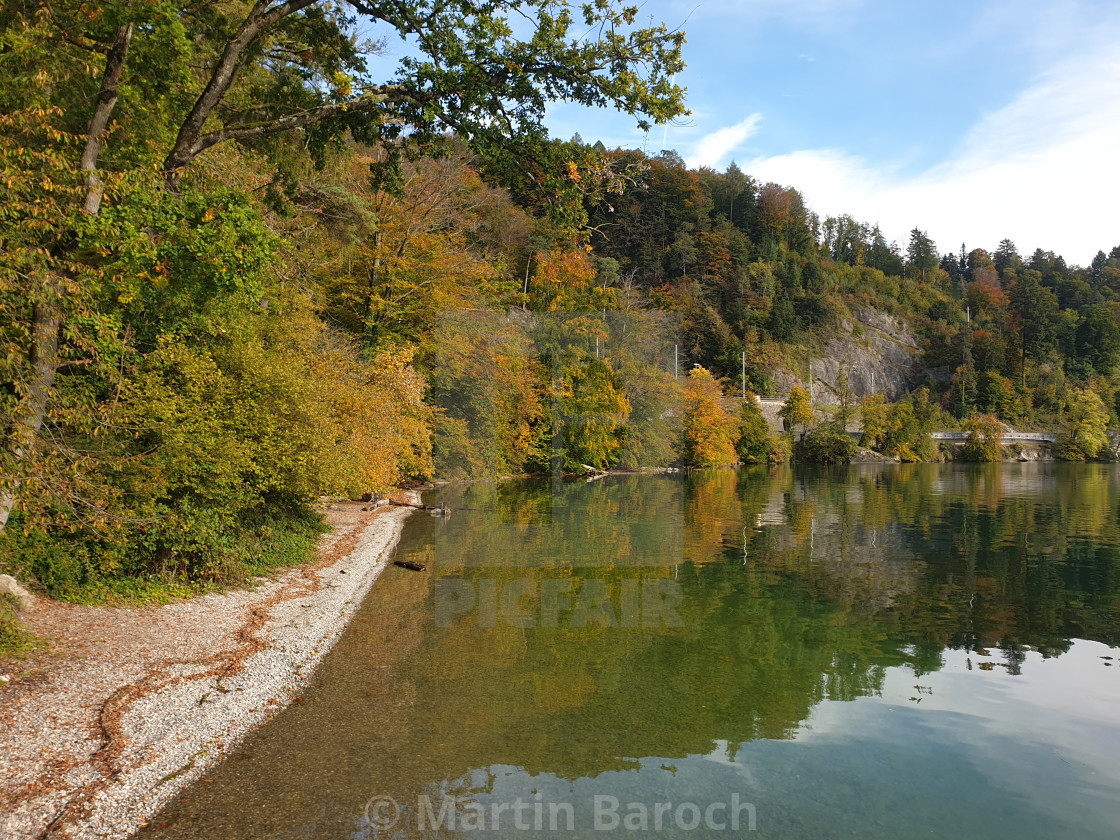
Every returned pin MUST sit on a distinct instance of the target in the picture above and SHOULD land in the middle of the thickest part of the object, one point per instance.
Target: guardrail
(1025, 437)
(1008, 437)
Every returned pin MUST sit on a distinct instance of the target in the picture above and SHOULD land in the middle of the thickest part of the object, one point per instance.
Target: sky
(973, 121)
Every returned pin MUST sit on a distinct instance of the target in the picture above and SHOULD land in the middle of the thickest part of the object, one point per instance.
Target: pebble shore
(94, 749)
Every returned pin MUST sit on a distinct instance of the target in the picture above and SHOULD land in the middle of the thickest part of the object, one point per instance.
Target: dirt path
(130, 705)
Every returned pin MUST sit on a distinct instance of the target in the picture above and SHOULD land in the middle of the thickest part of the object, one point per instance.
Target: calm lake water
(910, 652)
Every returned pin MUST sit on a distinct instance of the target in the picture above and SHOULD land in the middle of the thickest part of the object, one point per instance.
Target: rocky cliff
(879, 353)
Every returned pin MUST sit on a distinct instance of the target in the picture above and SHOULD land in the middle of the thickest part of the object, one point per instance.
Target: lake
(925, 651)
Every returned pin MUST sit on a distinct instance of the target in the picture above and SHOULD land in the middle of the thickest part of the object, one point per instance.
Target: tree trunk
(374, 277)
(46, 316)
(106, 101)
(32, 410)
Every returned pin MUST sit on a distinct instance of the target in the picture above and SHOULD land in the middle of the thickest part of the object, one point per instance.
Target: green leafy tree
(873, 420)
(1084, 424)
(1037, 308)
(963, 390)
(1098, 339)
(755, 441)
(921, 254)
(844, 399)
(826, 444)
(163, 85)
(798, 411)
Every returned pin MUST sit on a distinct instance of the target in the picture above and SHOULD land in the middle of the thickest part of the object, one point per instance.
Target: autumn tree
(710, 433)
(1084, 423)
(163, 86)
(595, 412)
(873, 420)
(985, 439)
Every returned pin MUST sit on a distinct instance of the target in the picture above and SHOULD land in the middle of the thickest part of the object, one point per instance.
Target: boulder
(10, 586)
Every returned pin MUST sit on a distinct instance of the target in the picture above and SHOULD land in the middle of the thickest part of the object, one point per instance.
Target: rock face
(9, 586)
(879, 353)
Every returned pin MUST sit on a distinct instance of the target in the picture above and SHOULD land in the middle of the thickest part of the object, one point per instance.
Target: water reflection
(859, 651)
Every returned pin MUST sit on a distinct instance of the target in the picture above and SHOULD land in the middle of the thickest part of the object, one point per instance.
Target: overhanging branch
(311, 116)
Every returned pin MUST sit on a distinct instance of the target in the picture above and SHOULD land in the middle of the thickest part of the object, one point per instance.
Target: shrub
(827, 445)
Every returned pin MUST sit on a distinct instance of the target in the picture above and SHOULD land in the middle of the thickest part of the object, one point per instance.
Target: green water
(873, 653)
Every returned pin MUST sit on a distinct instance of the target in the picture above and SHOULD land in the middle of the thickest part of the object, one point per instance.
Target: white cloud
(1041, 171)
(713, 148)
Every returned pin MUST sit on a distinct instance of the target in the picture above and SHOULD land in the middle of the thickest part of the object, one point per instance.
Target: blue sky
(974, 121)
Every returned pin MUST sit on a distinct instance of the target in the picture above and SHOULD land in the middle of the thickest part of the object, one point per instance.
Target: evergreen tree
(921, 254)
(1007, 256)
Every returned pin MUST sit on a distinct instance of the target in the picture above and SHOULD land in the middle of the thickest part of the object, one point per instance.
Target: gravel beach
(131, 705)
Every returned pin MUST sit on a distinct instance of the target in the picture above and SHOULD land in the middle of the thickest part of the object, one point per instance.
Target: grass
(78, 568)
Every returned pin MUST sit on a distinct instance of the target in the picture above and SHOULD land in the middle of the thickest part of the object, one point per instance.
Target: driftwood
(435, 510)
(411, 565)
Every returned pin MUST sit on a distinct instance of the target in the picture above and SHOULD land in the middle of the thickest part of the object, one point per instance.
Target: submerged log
(411, 565)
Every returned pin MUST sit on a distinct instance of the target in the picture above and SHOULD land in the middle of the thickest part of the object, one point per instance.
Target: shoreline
(134, 704)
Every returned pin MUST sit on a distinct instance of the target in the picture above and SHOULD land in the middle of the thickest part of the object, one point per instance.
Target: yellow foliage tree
(710, 432)
(564, 281)
(798, 411)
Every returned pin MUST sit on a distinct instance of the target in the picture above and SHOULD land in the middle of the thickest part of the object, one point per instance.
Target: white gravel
(179, 714)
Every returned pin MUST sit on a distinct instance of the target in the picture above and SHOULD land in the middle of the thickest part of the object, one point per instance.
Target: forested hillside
(240, 274)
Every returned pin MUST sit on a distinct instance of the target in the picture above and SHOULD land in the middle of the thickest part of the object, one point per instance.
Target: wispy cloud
(1040, 170)
(714, 148)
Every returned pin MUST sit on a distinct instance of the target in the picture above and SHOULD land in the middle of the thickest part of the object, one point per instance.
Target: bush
(14, 639)
(827, 445)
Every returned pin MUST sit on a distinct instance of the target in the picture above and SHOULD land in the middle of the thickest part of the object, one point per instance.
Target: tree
(1037, 308)
(755, 444)
(844, 399)
(710, 433)
(997, 394)
(985, 438)
(827, 445)
(1007, 256)
(1098, 339)
(883, 255)
(798, 411)
(207, 76)
(1084, 423)
(921, 254)
(873, 419)
(595, 411)
(908, 428)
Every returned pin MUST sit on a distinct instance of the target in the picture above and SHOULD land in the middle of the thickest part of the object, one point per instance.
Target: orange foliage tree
(710, 432)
